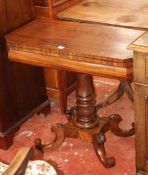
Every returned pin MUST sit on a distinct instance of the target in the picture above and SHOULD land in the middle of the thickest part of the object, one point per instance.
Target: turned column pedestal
(85, 123)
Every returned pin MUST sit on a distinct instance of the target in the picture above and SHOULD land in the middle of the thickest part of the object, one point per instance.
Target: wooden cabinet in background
(22, 87)
(22, 93)
(59, 84)
(141, 111)
(140, 47)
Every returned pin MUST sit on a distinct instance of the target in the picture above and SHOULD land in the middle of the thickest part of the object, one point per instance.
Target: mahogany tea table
(88, 50)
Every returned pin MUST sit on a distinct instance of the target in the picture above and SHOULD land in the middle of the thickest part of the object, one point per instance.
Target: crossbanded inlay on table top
(76, 41)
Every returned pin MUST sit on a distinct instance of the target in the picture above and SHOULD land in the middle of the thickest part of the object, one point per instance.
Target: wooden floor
(128, 13)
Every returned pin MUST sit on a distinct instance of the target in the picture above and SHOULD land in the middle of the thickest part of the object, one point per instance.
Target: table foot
(114, 120)
(112, 124)
(58, 139)
(98, 144)
(95, 135)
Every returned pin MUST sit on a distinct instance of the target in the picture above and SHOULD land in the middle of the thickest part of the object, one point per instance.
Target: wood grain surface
(140, 71)
(66, 43)
(18, 13)
(128, 13)
(82, 42)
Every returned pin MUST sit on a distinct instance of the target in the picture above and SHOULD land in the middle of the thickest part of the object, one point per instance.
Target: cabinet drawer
(141, 67)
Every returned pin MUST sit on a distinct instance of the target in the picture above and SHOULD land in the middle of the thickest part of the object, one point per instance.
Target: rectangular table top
(127, 13)
(72, 43)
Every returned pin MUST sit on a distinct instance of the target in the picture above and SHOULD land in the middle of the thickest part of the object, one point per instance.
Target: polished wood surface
(22, 9)
(140, 47)
(21, 86)
(3, 19)
(72, 46)
(129, 13)
(9, 11)
(75, 46)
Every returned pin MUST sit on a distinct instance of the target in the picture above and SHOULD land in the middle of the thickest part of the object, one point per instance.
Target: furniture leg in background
(59, 84)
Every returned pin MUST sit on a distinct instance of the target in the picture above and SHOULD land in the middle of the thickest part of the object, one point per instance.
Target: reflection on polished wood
(94, 49)
(127, 13)
(86, 49)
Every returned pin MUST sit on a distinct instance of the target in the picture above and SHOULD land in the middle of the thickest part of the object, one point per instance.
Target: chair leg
(62, 90)
(59, 85)
(19, 163)
(124, 86)
(63, 101)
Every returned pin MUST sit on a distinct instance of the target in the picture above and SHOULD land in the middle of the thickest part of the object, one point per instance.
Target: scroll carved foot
(58, 140)
(98, 143)
(115, 119)
(112, 123)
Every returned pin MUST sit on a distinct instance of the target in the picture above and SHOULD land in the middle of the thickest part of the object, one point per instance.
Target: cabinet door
(141, 124)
